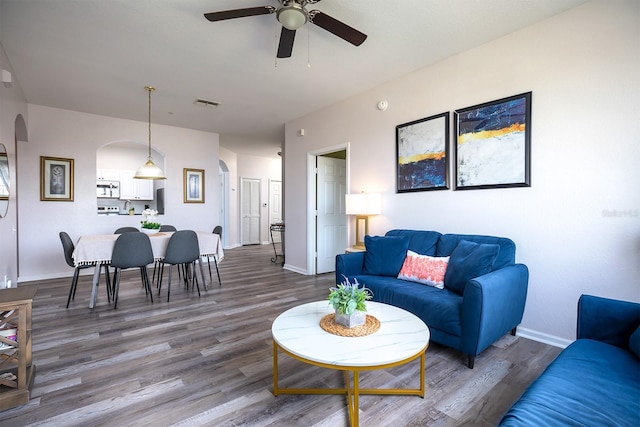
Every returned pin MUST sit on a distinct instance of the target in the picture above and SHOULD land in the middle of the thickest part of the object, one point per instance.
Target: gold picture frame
(193, 185)
(56, 179)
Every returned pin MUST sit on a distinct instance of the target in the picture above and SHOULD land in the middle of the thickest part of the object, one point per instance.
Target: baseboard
(542, 337)
(27, 279)
(295, 269)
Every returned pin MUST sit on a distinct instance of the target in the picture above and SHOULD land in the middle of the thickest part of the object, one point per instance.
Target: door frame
(312, 229)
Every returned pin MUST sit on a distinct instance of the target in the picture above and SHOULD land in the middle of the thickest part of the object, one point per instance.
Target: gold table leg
(352, 393)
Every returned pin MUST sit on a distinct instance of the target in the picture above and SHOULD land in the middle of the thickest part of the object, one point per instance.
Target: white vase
(351, 321)
(150, 230)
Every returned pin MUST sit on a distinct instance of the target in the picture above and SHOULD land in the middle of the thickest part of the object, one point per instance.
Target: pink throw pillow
(424, 269)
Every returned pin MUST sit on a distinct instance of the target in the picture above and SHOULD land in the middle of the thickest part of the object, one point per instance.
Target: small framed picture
(422, 154)
(493, 144)
(56, 179)
(193, 185)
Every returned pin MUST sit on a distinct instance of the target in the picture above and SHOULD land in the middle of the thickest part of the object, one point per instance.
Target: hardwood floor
(208, 360)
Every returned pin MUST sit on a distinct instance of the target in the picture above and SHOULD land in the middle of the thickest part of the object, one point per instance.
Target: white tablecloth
(97, 248)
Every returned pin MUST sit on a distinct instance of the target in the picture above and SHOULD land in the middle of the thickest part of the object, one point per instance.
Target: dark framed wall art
(422, 154)
(56, 179)
(193, 185)
(493, 144)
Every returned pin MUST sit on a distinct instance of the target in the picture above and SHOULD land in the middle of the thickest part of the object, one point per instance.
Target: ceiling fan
(292, 14)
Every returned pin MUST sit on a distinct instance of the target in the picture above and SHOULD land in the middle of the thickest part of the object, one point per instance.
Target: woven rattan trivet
(328, 323)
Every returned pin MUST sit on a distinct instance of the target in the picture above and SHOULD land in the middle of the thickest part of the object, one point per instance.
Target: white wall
(62, 133)
(231, 160)
(264, 169)
(12, 105)
(582, 67)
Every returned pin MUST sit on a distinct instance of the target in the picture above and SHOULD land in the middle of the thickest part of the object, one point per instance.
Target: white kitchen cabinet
(108, 174)
(135, 189)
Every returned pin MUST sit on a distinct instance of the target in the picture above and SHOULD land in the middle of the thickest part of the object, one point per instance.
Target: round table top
(401, 336)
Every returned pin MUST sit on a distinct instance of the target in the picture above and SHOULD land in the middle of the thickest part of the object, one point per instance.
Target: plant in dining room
(149, 224)
(349, 301)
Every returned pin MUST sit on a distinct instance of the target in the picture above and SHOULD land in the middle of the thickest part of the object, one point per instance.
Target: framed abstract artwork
(56, 179)
(493, 144)
(193, 185)
(422, 154)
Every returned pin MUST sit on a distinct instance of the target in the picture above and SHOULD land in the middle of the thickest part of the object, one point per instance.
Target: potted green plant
(349, 301)
(149, 224)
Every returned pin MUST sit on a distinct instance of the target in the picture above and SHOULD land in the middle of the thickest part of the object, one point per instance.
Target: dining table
(96, 249)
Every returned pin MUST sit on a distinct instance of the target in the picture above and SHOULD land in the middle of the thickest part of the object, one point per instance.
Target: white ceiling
(96, 56)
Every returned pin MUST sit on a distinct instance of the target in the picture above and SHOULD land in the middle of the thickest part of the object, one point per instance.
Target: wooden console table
(16, 370)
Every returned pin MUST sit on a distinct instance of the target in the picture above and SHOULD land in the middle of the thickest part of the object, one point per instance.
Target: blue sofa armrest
(492, 305)
(349, 265)
(607, 320)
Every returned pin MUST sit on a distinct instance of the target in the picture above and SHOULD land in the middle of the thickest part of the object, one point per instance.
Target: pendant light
(149, 170)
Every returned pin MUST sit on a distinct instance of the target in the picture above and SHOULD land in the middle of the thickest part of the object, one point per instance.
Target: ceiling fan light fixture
(292, 16)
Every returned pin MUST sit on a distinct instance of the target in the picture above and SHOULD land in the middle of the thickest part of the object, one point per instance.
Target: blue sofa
(484, 289)
(595, 381)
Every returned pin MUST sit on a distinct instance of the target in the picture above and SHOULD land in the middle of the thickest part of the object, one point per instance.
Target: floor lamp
(362, 205)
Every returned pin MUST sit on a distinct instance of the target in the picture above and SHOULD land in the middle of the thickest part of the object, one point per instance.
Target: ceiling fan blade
(338, 28)
(239, 13)
(285, 47)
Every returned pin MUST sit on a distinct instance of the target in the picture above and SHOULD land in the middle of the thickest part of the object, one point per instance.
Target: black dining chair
(216, 230)
(68, 248)
(165, 228)
(182, 249)
(126, 230)
(131, 250)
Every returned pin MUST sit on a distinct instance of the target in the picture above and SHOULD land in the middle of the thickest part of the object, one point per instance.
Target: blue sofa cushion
(384, 255)
(468, 261)
(438, 308)
(634, 342)
(420, 241)
(506, 255)
(589, 384)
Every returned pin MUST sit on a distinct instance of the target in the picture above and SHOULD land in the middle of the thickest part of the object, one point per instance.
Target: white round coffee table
(402, 337)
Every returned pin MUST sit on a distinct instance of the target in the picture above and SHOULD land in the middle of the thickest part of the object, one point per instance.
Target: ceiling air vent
(206, 103)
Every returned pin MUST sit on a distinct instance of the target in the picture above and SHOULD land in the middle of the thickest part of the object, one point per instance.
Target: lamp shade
(363, 204)
(149, 171)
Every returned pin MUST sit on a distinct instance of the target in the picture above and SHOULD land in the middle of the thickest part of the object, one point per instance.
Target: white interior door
(250, 211)
(275, 205)
(331, 219)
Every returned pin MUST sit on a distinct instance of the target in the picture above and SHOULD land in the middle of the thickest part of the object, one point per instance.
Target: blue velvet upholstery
(422, 242)
(467, 261)
(592, 382)
(444, 306)
(506, 255)
(384, 255)
(490, 306)
(634, 342)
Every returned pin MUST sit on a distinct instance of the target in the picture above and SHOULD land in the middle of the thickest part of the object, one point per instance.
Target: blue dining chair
(131, 250)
